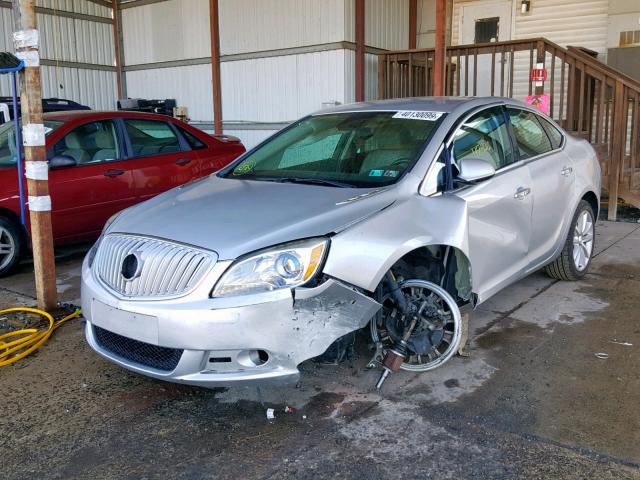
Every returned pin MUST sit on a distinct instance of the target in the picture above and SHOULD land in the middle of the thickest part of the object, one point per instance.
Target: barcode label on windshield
(418, 115)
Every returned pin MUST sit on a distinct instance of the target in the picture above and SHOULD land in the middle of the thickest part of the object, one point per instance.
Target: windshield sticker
(376, 173)
(418, 115)
(391, 173)
(244, 168)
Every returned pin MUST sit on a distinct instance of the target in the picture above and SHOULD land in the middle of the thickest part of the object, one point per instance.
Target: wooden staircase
(588, 98)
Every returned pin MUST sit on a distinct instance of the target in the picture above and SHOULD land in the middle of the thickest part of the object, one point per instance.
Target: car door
(499, 208)
(84, 196)
(211, 158)
(539, 144)
(162, 158)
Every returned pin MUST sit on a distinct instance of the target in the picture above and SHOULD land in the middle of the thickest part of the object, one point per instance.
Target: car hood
(233, 217)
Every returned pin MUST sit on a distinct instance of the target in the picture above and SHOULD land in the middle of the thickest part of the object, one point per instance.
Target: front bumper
(219, 338)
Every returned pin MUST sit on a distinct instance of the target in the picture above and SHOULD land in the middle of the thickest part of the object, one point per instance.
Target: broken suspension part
(419, 333)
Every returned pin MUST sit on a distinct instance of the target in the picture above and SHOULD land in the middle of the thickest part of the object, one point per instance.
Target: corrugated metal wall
(165, 31)
(259, 25)
(189, 85)
(76, 6)
(281, 89)
(77, 40)
(387, 24)
(262, 85)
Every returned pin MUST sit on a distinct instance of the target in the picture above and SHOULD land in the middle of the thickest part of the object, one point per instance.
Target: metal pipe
(359, 21)
(413, 24)
(18, 140)
(215, 66)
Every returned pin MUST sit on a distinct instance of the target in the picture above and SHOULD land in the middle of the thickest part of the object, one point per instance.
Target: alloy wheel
(7, 247)
(583, 233)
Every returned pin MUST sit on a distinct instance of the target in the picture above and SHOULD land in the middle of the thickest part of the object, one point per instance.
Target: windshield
(361, 149)
(8, 141)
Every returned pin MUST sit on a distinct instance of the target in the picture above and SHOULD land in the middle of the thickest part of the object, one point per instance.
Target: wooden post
(382, 76)
(359, 21)
(540, 58)
(413, 24)
(35, 155)
(440, 48)
(215, 66)
(617, 148)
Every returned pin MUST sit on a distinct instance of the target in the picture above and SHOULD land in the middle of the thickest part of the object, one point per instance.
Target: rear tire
(574, 260)
(11, 246)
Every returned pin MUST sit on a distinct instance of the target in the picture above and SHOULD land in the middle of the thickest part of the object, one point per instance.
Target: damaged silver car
(387, 215)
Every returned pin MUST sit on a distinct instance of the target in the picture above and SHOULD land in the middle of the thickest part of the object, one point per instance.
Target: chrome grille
(167, 269)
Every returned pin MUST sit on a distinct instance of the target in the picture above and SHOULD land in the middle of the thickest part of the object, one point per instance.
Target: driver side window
(484, 136)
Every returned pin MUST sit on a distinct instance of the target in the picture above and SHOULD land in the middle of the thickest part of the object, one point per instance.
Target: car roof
(72, 115)
(435, 104)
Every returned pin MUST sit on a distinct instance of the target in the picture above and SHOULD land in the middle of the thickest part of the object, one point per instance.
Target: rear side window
(554, 134)
(531, 138)
(151, 137)
(194, 142)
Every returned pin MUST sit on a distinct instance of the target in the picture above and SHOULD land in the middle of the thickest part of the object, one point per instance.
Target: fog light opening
(253, 358)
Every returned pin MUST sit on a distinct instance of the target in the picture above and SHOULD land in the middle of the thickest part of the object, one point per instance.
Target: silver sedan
(388, 215)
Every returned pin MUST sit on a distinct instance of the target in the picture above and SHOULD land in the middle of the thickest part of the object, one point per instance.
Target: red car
(101, 163)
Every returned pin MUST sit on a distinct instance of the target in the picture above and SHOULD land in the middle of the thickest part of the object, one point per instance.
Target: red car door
(162, 160)
(214, 152)
(100, 183)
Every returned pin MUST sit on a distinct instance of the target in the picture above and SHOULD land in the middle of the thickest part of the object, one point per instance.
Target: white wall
(566, 22)
(258, 88)
(426, 28)
(66, 39)
(165, 31)
(189, 85)
(258, 25)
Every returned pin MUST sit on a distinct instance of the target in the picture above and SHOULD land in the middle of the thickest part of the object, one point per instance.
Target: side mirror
(474, 169)
(62, 161)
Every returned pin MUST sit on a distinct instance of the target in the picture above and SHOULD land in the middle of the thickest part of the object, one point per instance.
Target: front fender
(362, 254)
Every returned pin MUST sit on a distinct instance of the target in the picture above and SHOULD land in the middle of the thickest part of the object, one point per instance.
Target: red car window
(90, 143)
(150, 137)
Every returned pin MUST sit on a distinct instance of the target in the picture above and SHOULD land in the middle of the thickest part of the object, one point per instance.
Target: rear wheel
(574, 260)
(11, 244)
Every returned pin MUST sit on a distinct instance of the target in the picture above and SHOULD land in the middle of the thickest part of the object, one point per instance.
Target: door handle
(566, 171)
(113, 173)
(521, 193)
(183, 161)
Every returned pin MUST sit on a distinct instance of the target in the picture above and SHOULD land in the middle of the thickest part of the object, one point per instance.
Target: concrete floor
(532, 401)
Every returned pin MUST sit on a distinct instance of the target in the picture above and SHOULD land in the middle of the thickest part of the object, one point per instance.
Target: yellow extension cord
(30, 338)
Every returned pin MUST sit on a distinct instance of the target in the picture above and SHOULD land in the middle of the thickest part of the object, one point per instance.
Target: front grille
(160, 358)
(166, 269)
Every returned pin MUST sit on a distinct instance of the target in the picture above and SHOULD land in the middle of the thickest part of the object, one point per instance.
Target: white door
(483, 22)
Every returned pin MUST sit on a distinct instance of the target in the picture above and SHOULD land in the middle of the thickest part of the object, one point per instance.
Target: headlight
(288, 266)
(91, 254)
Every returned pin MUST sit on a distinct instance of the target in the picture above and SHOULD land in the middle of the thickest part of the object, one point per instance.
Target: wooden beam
(215, 66)
(413, 24)
(359, 27)
(440, 48)
(35, 151)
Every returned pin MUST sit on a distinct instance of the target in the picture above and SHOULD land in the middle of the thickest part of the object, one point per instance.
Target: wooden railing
(586, 97)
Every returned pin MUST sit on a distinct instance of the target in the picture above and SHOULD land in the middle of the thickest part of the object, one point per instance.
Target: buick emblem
(131, 267)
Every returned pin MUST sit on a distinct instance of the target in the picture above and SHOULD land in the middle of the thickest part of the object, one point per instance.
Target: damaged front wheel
(435, 335)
